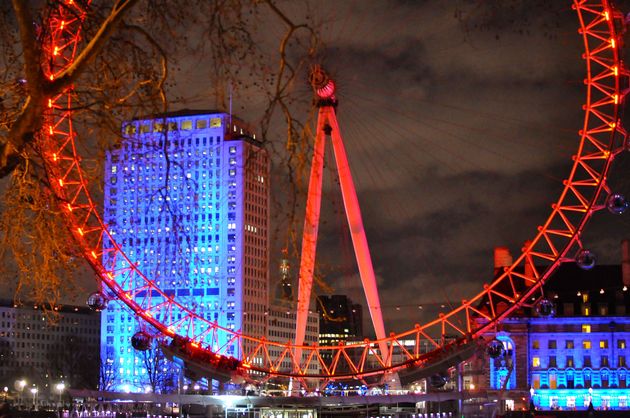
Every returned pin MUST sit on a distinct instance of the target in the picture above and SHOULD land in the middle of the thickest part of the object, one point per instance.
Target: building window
(586, 344)
(587, 361)
(552, 345)
(621, 344)
(130, 129)
(568, 344)
(535, 361)
(621, 361)
(535, 344)
(552, 361)
(586, 328)
(604, 361)
(603, 343)
(570, 361)
(536, 381)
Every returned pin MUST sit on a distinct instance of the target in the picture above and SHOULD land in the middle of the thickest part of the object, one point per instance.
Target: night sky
(459, 119)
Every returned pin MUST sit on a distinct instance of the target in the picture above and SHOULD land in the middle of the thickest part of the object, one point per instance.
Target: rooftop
(29, 305)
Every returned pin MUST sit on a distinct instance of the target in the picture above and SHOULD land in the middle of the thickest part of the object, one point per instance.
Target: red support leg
(309, 235)
(327, 125)
(357, 231)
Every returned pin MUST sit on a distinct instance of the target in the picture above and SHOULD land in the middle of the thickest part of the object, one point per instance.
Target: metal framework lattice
(558, 240)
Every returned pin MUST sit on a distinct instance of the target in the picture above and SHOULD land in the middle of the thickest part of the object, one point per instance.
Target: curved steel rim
(556, 241)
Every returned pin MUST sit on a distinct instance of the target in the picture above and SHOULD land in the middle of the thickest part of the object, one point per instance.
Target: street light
(19, 386)
(34, 392)
(6, 391)
(60, 388)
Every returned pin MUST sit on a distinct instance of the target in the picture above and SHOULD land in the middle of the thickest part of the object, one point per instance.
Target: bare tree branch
(122, 70)
(30, 47)
(29, 121)
(96, 44)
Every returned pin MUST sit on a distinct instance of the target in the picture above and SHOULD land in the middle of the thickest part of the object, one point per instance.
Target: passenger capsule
(586, 259)
(97, 301)
(141, 341)
(616, 204)
(495, 349)
(545, 308)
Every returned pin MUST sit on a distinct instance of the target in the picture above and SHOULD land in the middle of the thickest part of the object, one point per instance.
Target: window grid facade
(30, 339)
(186, 198)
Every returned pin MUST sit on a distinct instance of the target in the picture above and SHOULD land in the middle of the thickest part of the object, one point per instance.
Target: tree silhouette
(123, 68)
(75, 362)
(108, 374)
(161, 374)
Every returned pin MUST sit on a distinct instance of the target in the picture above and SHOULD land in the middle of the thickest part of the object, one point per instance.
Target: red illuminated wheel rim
(556, 241)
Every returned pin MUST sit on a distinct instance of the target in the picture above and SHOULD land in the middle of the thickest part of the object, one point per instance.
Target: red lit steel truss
(601, 138)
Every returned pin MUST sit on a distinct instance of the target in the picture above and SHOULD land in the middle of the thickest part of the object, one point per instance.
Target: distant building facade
(187, 198)
(48, 348)
(281, 328)
(339, 319)
(574, 358)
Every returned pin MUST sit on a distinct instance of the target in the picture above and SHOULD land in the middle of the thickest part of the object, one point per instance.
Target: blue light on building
(186, 197)
(569, 360)
(503, 369)
(579, 399)
(576, 360)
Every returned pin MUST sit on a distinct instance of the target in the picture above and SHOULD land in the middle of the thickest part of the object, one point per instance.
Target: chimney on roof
(502, 258)
(625, 262)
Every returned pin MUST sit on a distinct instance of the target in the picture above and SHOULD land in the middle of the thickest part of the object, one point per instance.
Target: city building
(281, 317)
(569, 360)
(339, 319)
(186, 197)
(41, 349)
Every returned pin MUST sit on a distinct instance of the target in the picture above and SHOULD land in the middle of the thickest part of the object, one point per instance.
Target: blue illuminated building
(186, 197)
(574, 358)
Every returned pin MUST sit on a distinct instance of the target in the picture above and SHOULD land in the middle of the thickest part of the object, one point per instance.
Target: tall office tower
(339, 319)
(186, 196)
